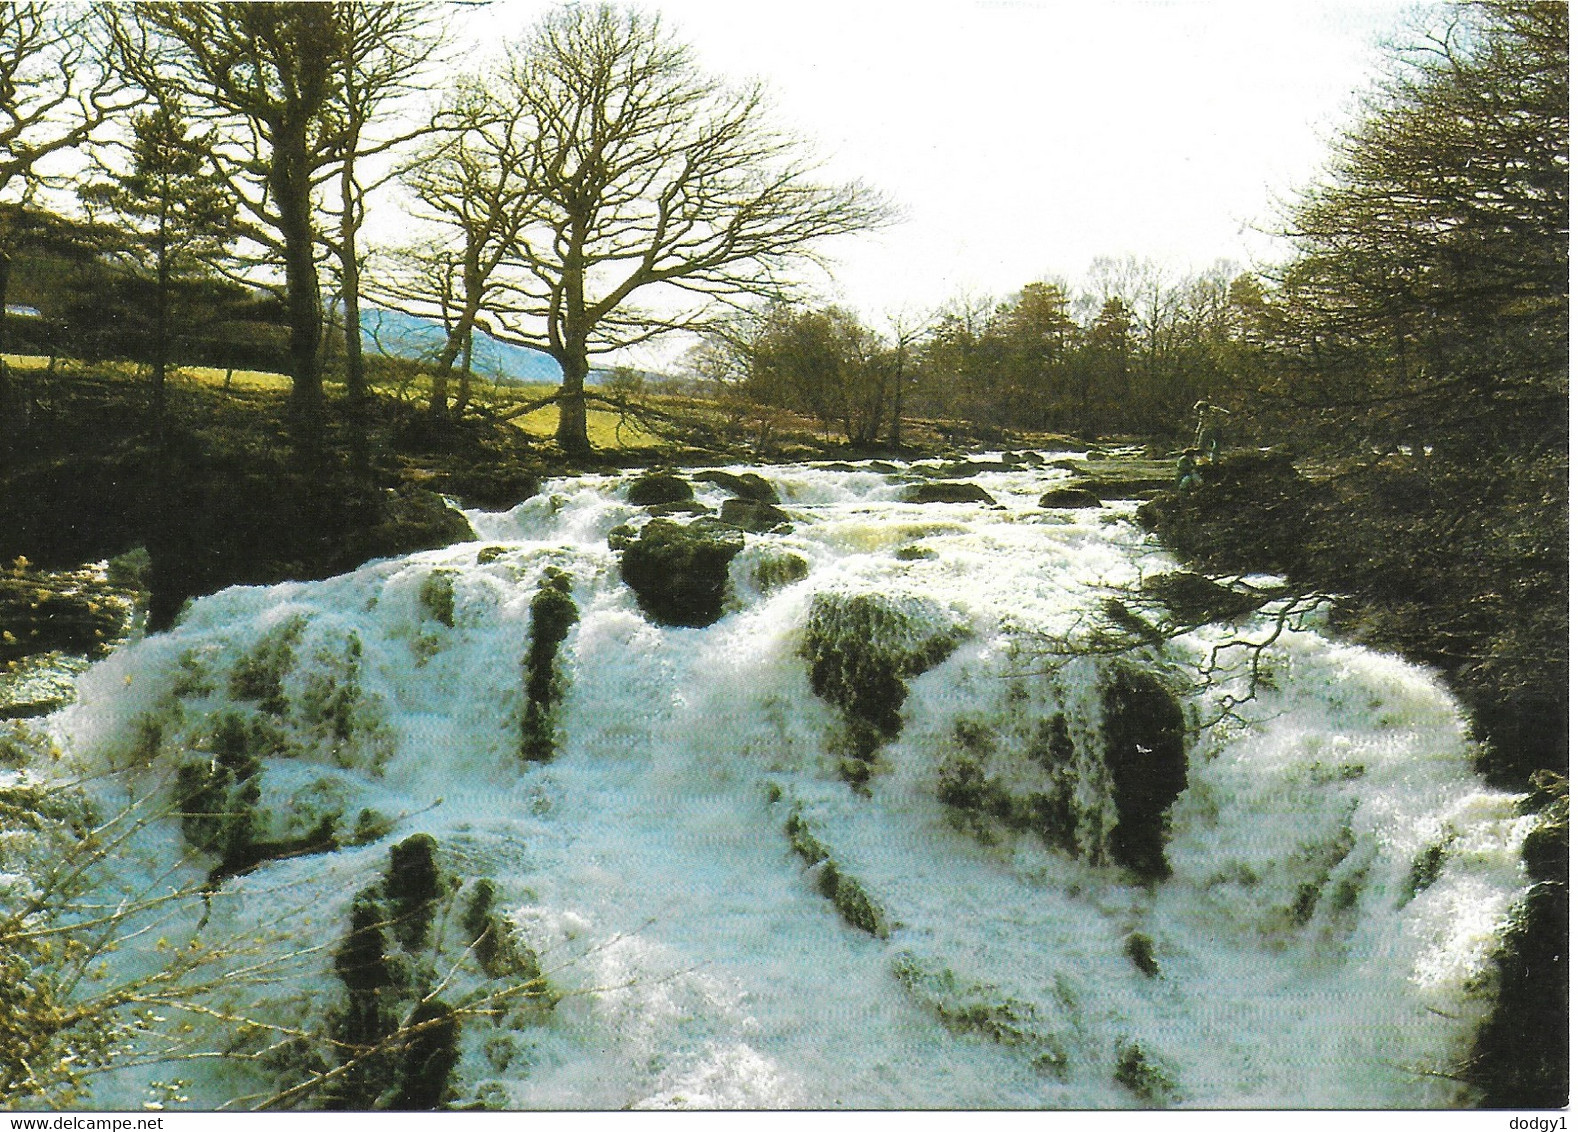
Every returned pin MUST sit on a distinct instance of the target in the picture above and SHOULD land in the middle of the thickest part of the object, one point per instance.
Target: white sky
(1022, 138)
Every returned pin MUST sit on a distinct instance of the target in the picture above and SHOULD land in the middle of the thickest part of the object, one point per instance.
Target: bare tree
(470, 185)
(383, 49)
(55, 94)
(644, 176)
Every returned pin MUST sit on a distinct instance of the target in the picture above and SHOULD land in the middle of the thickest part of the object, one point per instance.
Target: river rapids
(922, 819)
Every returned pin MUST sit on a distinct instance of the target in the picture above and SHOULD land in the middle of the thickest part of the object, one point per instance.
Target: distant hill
(407, 336)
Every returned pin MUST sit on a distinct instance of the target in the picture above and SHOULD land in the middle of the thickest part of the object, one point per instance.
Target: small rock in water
(1070, 497)
(947, 492)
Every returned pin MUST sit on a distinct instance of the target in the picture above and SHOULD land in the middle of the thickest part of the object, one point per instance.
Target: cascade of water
(869, 839)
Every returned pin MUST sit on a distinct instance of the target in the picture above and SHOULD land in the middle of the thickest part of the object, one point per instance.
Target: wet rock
(946, 492)
(656, 488)
(683, 507)
(680, 574)
(410, 519)
(429, 1058)
(975, 467)
(773, 571)
(746, 485)
(751, 515)
(1070, 497)
(1521, 1053)
(1144, 748)
(1195, 599)
(33, 686)
(862, 648)
(553, 612)
(883, 466)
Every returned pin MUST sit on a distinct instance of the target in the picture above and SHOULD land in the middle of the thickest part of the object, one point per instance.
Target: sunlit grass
(200, 375)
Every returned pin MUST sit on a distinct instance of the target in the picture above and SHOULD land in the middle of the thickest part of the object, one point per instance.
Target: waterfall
(892, 831)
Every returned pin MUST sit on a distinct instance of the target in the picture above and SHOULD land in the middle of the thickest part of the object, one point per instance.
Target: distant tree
(177, 216)
(1107, 361)
(646, 178)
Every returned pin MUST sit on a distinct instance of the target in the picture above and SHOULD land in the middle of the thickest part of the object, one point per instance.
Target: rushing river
(1312, 930)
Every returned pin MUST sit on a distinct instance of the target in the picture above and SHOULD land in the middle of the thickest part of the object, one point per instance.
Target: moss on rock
(553, 612)
(680, 574)
(657, 488)
(947, 492)
(1143, 733)
(862, 648)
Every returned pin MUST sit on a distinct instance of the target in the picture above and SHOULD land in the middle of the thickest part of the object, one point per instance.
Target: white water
(648, 866)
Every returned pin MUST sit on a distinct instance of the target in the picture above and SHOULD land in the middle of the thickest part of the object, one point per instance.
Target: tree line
(1132, 352)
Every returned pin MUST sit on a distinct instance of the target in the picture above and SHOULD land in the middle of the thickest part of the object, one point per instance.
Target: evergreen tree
(178, 214)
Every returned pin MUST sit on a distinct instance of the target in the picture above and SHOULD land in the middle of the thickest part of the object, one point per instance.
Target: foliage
(175, 216)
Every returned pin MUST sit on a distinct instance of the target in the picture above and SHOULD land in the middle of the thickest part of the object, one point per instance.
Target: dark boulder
(751, 515)
(1143, 733)
(409, 520)
(1069, 497)
(680, 574)
(553, 613)
(657, 488)
(946, 492)
(863, 647)
(1195, 599)
(747, 485)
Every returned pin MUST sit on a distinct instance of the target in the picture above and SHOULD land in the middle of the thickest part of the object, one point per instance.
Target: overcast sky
(1022, 138)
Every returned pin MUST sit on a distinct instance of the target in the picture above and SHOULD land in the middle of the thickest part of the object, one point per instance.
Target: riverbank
(1493, 622)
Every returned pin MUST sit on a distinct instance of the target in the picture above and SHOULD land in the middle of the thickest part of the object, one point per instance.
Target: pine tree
(178, 215)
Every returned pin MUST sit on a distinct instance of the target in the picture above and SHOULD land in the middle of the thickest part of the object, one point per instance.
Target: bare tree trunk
(303, 304)
(7, 424)
(571, 434)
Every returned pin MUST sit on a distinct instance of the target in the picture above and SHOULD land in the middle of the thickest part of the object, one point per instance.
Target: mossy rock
(773, 571)
(656, 488)
(1141, 950)
(746, 485)
(1070, 497)
(854, 905)
(1144, 1075)
(914, 553)
(947, 492)
(411, 885)
(1195, 599)
(74, 611)
(751, 515)
(862, 648)
(680, 574)
(553, 612)
(975, 467)
(493, 486)
(1143, 734)
(408, 520)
